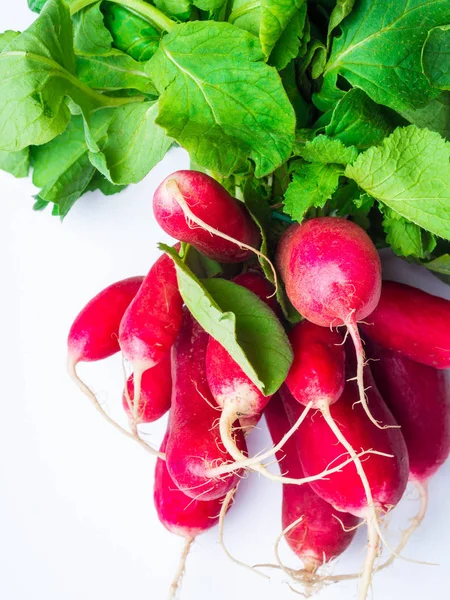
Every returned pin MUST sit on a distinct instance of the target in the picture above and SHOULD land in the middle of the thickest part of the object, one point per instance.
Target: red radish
(194, 208)
(180, 514)
(323, 532)
(419, 398)
(194, 447)
(151, 322)
(332, 274)
(94, 333)
(156, 390)
(387, 476)
(94, 336)
(412, 322)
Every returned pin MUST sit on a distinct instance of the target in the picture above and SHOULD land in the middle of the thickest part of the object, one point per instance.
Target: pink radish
(412, 322)
(386, 475)
(94, 336)
(332, 274)
(419, 398)
(156, 390)
(194, 208)
(151, 322)
(314, 530)
(194, 447)
(180, 514)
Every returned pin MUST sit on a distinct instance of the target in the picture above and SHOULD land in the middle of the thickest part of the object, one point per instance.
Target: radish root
(72, 370)
(172, 186)
(372, 553)
(175, 585)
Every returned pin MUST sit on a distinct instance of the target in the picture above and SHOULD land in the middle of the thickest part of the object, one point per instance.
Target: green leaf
(436, 57)
(404, 237)
(36, 5)
(180, 9)
(435, 115)
(303, 109)
(16, 163)
(312, 185)
(131, 33)
(36, 77)
(439, 265)
(114, 71)
(135, 144)
(326, 150)
(409, 173)
(99, 182)
(7, 37)
(90, 33)
(200, 265)
(288, 45)
(220, 101)
(380, 49)
(62, 167)
(342, 9)
(357, 120)
(241, 322)
(255, 198)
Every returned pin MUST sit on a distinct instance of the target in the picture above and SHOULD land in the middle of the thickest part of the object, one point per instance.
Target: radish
(314, 530)
(151, 322)
(332, 274)
(180, 514)
(194, 446)
(386, 476)
(419, 399)
(261, 287)
(412, 322)
(156, 390)
(94, 336)
(194, 208)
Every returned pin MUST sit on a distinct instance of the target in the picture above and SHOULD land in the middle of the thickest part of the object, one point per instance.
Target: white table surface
(76, 511)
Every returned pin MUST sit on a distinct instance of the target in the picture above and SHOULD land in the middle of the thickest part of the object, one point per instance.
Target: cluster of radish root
(346, 435)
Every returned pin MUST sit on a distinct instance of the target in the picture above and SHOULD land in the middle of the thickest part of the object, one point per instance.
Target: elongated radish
(156, 390)
(332, 274)
(194, 208)
(387, 476)
(181, 514)
(321, 533)
(194, 446)
(419, 398)
(151, 322)
(94, 335)
(412, 322)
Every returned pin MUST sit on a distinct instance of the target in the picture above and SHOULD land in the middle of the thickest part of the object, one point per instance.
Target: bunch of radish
(348, 433)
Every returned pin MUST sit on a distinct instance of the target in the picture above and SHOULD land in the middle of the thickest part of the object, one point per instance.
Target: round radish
(332, 274)
(194, 208)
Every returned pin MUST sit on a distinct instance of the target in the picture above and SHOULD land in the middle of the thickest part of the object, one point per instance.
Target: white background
(76, 508)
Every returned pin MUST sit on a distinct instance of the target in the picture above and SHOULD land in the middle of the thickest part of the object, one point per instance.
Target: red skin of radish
(318, 369)
(156, 390)
(412, 322)
(319, 536)
(226, 380)
(150, 324)
(179, 513)
(194, 443)
(419, 399)
(94, 334)
(331, 270)
(210, 202)
(317, 448)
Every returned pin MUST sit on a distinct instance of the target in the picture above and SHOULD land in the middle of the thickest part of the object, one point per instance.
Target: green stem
(143, 9)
